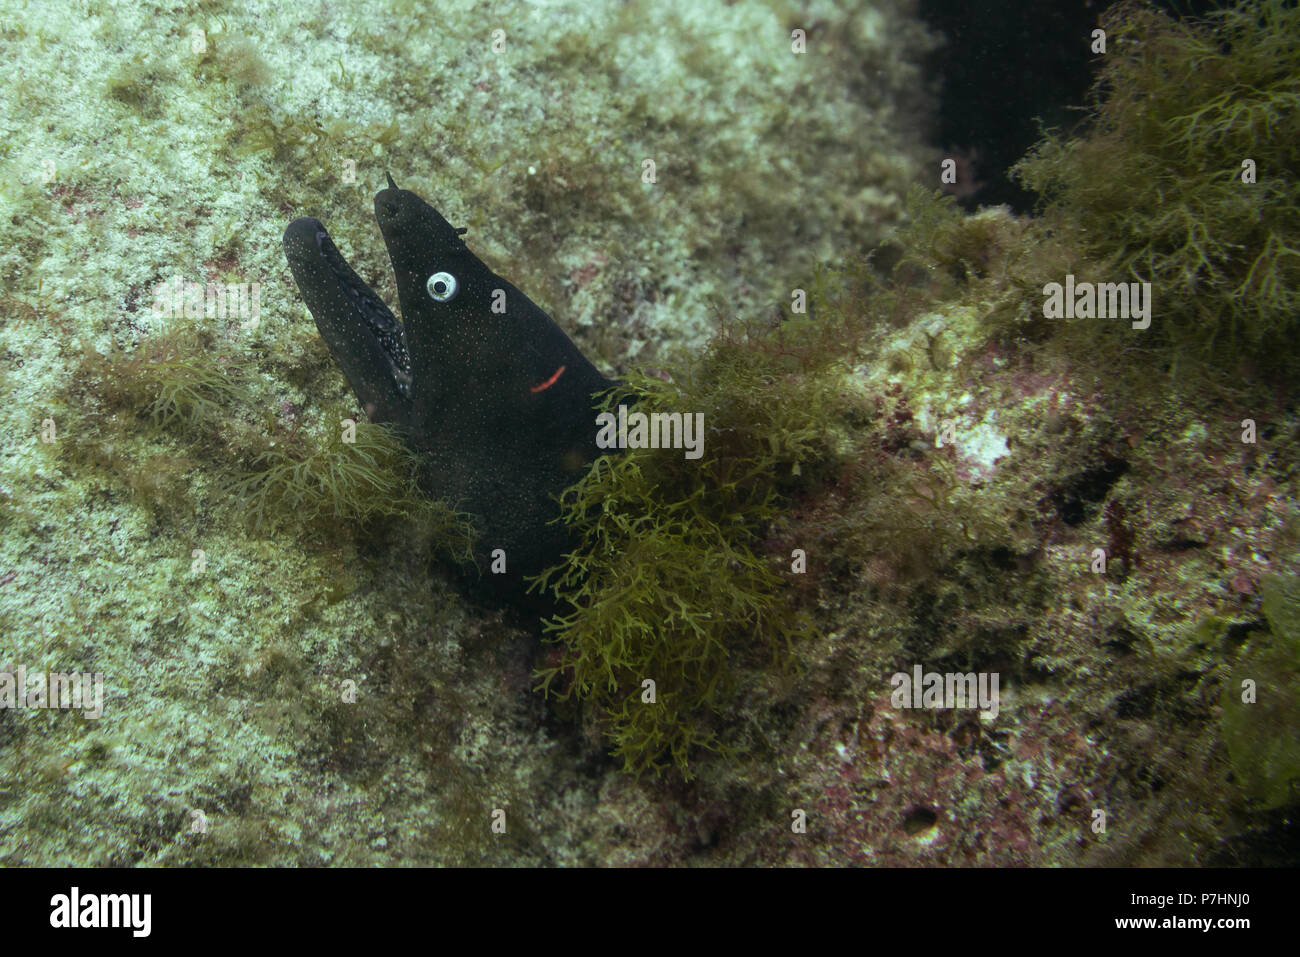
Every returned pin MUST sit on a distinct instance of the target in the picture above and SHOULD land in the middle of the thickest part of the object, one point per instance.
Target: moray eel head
(482, 383)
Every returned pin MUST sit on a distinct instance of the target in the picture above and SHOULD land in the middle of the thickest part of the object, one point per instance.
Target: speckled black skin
(480, 394)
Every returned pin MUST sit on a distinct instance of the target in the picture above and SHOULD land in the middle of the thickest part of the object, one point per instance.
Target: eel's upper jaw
(362, 333)
(415, 233)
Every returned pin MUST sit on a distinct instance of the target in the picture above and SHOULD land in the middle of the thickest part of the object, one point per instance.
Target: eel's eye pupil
(441, 286)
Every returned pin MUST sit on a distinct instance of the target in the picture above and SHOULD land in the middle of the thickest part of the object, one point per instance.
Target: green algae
(275, 479)
(668, 583)
(369, 474)
(693, 573)
(1156, 188)
(169, 379)
(1261, 728)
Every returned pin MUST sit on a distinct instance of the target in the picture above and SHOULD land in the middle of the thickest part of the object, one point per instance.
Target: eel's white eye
(442, 286)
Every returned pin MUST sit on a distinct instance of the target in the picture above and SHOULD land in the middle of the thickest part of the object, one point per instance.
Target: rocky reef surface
(912, 464)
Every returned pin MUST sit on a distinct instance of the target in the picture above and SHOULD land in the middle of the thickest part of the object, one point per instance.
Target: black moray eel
(480, 381)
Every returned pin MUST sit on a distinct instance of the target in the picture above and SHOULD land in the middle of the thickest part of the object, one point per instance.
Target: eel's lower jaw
(361, 332)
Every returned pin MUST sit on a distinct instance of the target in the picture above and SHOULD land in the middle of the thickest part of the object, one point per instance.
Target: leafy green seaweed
(1155, 190)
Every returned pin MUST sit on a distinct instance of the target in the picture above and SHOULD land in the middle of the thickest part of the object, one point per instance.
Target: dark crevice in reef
(1005, 67)
(1075, 499)
(1273, 840)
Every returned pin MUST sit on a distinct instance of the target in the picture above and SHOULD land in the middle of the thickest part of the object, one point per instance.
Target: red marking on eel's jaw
(549, 382)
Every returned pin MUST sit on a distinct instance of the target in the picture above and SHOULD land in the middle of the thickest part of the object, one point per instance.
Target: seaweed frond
(1186, 174)
(670, 582)
(300, 482)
